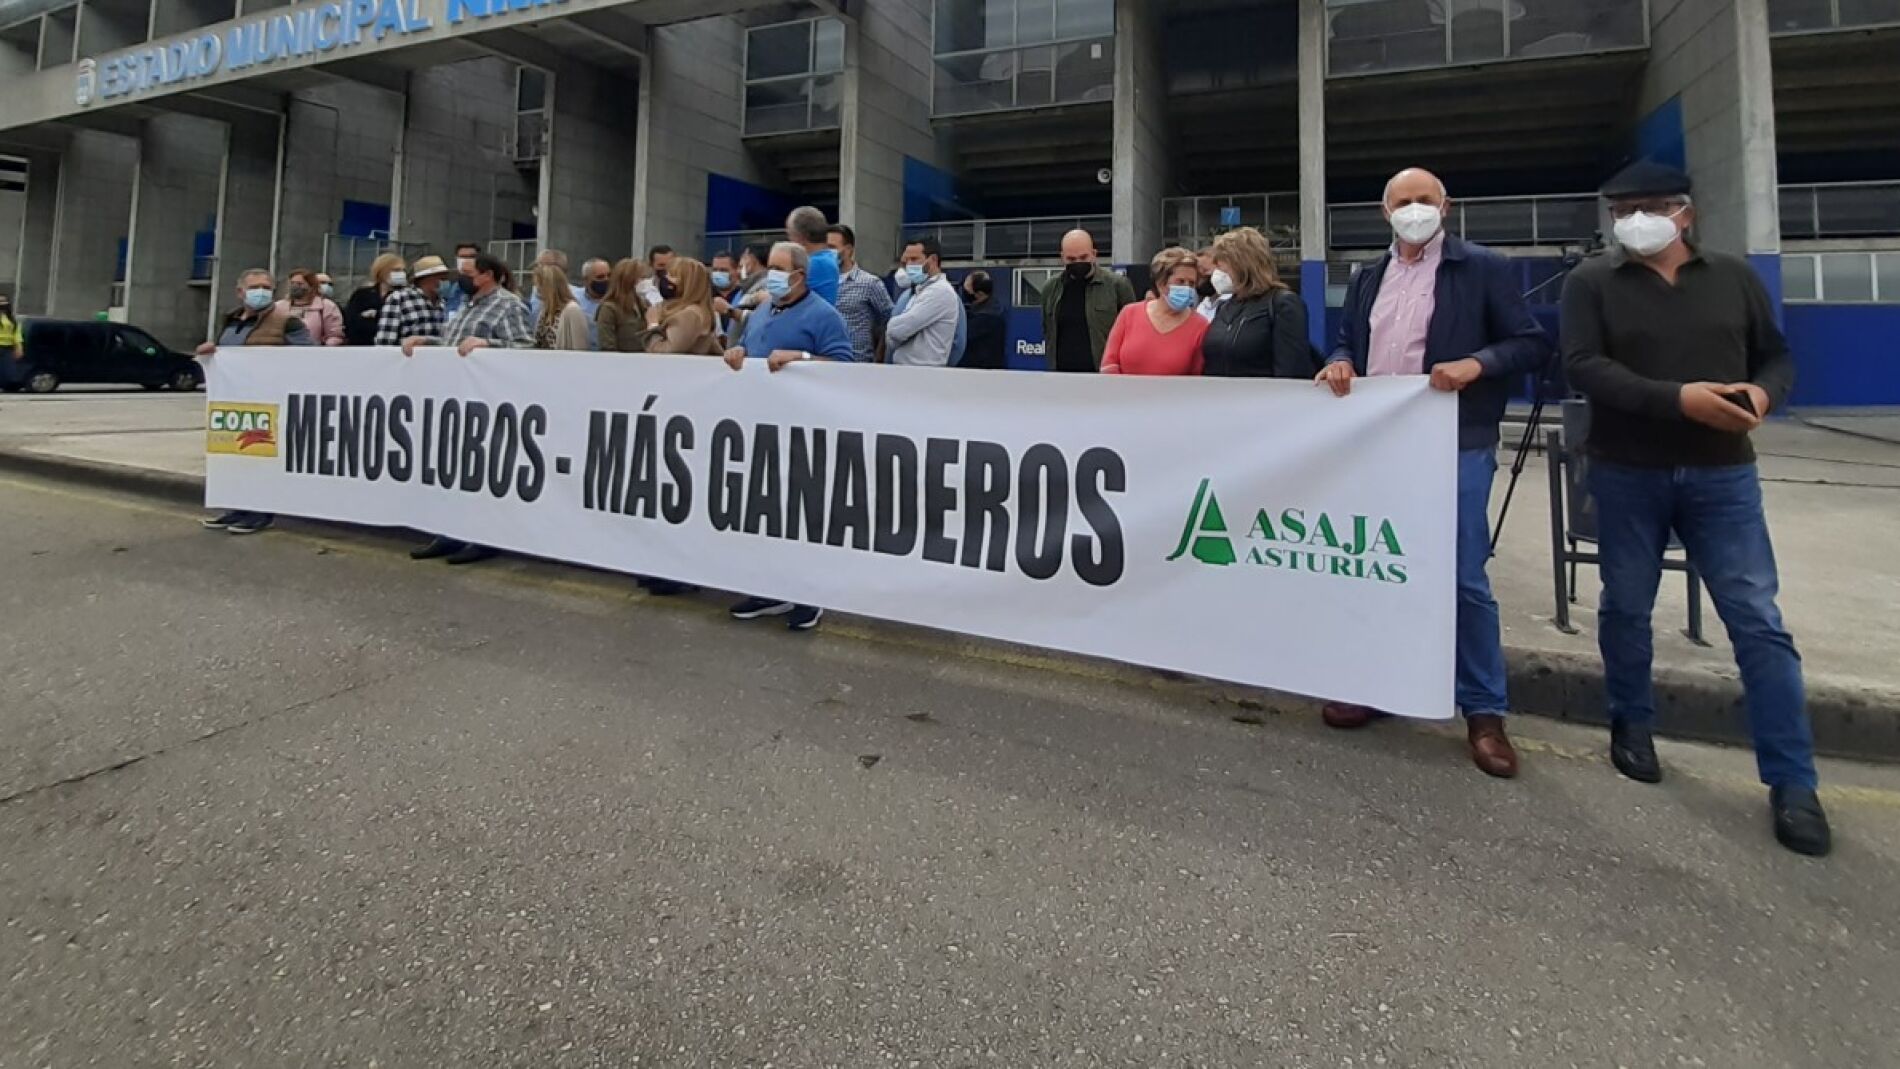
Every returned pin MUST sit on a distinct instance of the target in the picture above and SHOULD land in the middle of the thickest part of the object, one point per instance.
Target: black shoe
(472, 554)
(804, 617)
(1633, 751)
(252, 523)
(1800, 822)
(437, 547)
(754, 608)
(221, 522)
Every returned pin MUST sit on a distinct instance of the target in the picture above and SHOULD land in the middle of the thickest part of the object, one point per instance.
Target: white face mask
(1416, 224)
(398, 279)
(1223, 283)
(1645, 234)
(902, 278)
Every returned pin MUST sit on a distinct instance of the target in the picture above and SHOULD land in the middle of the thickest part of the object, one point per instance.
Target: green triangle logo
(1205, 533)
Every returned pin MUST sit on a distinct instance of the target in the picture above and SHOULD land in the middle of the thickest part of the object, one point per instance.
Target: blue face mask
(915, 272)
(721, 280)
(778, 283)
(1181, 298)
(257, 299)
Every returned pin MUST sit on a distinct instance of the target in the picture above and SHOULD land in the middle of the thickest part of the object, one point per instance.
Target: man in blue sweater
(793, 326)
(797, 325)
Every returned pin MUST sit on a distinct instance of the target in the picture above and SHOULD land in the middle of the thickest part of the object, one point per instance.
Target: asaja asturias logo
(1297, 539)
(241, 430)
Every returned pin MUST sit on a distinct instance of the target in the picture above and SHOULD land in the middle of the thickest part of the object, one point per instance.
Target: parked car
(65, 350)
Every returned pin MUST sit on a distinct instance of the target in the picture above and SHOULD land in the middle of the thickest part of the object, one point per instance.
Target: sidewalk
(1833, 494)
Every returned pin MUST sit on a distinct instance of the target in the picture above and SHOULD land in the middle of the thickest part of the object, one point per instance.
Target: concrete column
(339, 145)
(590, 154)
(33, 257)
(689, 128)
(886, 117)
(181, 162)
(1140, 166)
(92, 215)
(458, 180)
(249, 199)
(1710, 58)
(1313, 235)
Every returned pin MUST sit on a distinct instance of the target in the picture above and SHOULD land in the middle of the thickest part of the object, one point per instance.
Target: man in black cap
(1679, 354)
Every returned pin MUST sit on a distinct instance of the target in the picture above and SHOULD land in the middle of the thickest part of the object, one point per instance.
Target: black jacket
(360, 316)
(1259, 337)
(989, 337)
(1478, 312)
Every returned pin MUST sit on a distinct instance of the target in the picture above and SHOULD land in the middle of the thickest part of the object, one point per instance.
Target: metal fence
(1375, 36)
(518, 253)
(1553, 220)
(735, 241)
(347, 259)
(1194, 222)
(993, 240)
(1807, 16)
(1840, 210)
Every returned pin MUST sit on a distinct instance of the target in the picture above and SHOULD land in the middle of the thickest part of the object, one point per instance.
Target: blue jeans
(1717, 515)
(1481, 675)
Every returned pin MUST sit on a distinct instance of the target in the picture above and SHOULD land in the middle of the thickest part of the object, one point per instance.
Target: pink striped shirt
(1402, 313)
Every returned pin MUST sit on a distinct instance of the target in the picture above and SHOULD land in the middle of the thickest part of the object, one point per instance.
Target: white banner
(1257, 531)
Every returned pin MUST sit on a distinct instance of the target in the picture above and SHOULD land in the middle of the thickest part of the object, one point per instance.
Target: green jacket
(1109, 293)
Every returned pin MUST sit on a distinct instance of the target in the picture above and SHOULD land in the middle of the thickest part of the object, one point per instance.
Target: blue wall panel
(1845, 354)
(361, 219)
(735, 205)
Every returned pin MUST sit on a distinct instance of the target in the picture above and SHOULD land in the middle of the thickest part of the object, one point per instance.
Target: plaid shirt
(866, 307)
(408, 313)
(501, 318)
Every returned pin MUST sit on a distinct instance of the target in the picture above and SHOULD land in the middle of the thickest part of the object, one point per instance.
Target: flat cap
(1647, 178)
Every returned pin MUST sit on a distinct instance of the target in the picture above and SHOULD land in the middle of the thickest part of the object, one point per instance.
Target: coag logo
(242, 430)
(1355, 546)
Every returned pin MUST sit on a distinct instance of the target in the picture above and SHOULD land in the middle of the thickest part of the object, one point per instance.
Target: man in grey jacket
(924, 333)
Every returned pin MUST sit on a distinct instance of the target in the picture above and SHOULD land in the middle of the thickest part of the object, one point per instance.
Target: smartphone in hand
(1743, 400)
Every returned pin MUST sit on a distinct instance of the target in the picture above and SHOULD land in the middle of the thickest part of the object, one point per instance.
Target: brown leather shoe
(1348, 717)
(1491, 748)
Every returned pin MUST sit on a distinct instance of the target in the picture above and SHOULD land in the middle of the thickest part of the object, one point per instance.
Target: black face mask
(598, 288)
(1207, 290)
(665, 286)
(465, 283)
(1079, 272)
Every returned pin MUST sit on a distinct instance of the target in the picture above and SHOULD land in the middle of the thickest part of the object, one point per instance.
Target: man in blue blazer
(1438, 305)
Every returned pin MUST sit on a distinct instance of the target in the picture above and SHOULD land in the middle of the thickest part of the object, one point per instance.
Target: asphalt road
(293, 800)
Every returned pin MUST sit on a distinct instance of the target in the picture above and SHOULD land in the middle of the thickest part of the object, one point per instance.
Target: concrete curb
(1854, 722)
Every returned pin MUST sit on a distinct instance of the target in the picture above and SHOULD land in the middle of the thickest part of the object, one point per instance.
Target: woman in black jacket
(1259, 328)
(365, 307)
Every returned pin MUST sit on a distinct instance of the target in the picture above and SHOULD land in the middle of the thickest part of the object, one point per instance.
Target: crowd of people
(1676, 347)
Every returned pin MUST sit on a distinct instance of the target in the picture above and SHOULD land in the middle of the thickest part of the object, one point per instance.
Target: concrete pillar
(590, 154)
(1140, 166)
(39, 206)
(1313, 235)
(181, 163)
(339, 145)
(886, 117)
(92, 215)
(458, 180)
(689, 128)
(249, 200)
(1710, 59)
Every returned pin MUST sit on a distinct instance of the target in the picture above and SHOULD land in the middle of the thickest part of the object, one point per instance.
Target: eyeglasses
(1627, 208)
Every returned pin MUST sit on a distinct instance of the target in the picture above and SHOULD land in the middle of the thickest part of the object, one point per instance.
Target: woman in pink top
(1160, 336)
(320, 315)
